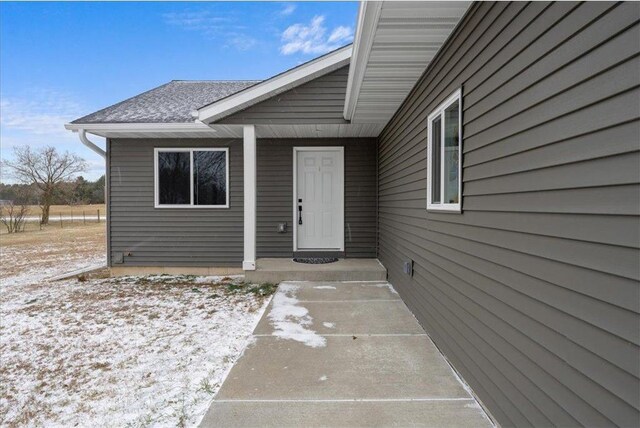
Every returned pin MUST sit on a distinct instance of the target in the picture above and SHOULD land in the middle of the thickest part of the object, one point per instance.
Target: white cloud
(212, 27)
(42, 112)
(203, 21)
(311, 38)
(288, 9)
(341, 34)
(242, 42)
(36, 119)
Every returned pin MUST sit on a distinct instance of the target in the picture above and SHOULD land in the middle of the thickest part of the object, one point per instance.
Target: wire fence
(62, 219)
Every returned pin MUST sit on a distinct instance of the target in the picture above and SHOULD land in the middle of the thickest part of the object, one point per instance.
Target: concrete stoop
(278, 270)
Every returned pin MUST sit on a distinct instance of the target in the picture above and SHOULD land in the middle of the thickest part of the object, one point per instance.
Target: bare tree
(46, 169)
(13, 215)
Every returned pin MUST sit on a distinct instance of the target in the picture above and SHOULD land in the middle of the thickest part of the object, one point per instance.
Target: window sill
(450, 209)
(164, 207)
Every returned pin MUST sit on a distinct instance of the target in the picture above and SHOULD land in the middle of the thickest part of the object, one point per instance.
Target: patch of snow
(381, 285)
(324, 287)
(26, 264)
(290, 320)
(128, 351)
(209, 279)
(329, 324)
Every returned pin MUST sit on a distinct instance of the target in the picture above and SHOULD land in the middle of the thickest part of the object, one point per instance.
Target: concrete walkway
(341, 354)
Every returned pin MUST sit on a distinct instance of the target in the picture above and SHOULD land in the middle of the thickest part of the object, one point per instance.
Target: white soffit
(394, 43)
(343, 130)
(275, 85)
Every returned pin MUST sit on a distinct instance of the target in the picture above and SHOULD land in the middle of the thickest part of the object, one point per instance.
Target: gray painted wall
(533, 291)
(275, 195)
(164, 236)
(316, 102)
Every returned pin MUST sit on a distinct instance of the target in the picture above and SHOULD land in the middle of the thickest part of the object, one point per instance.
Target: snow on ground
(130, 351)
(28, 264)
(290, 320)
(32, 256)
(324, 287)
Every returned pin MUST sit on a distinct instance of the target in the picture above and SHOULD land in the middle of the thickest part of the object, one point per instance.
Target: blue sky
(60, 61)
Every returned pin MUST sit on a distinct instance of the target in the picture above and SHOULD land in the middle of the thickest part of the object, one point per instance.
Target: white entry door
(319, 198)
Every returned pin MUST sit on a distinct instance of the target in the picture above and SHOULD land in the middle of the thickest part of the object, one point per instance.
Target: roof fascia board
(275, 85)
(368, 18)
(139, 127)
(195, 129)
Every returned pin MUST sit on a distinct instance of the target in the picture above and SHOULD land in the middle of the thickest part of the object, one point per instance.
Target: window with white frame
(444, 155)
(197, 178)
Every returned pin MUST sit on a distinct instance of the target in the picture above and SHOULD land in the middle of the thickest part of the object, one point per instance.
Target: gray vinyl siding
(533, 291)
(275, 195)
(319, 101)
(165, 236)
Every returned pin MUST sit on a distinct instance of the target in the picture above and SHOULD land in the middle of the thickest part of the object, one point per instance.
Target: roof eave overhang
(394, 44)
(368, 17)
(136, 126)
(274, 86)
(107, 129)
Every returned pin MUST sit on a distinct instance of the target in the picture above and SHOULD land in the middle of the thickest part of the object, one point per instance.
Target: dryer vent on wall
(117, 258)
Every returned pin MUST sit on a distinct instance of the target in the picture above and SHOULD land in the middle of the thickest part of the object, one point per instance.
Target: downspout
(83, 138)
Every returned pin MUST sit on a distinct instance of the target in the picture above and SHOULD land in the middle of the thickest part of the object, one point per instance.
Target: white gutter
(368, 17)
(83, 138)
(139, 127)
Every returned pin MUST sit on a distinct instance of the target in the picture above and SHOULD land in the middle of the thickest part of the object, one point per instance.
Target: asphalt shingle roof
(172, 102)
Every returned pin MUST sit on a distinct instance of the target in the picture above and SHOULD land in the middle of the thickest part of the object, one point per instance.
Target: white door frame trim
(295, 189)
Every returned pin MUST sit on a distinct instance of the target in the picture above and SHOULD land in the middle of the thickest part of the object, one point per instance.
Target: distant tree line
(77, 192)
(48, 177)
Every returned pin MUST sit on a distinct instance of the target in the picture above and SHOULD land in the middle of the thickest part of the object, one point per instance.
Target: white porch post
(249, 150)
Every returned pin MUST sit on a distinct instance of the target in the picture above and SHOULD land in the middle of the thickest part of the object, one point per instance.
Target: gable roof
(172, 102)
(275, 85)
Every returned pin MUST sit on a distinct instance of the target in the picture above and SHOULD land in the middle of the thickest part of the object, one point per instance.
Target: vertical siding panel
(532, 292)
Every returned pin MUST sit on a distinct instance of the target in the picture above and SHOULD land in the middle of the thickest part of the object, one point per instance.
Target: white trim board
(139, 127)
(368, 17)
(249, 156)
(295, 195)
(277, 84)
